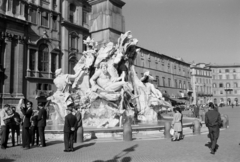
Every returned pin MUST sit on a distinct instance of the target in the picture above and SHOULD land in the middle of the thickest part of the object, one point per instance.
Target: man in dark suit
(69, 129)
(27, 112)
(42, 118)
(34, 128)
(213, 122)
(17, 120)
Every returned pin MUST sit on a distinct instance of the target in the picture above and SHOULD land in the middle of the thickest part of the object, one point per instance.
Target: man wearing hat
(69, 129)
(42, 119)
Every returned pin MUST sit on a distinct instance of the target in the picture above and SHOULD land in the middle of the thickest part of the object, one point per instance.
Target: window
(227, 76)
(176, 84)
(32, 16)
(84, 17)
(43, 58)
(157, 79)
(54, 25)
(184, 85)
(228, 85)
(163, 79)
(44, 21)
(220, 85)
(235, 85)
(220, 76)
(227, 70)
(39, 86)
(32, 60)
(214, 92)
(73, 41)
(71, 64)
(54, 62)
(221, 92)
(180, 84)
(235, 91)
(234, 70)
(220, 71)
(169, 82)
(72, 12)
(197, 89)
(234, 76)
(214, 85)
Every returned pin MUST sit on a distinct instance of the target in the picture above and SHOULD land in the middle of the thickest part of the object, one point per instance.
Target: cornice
(67, 23)
(118, 3)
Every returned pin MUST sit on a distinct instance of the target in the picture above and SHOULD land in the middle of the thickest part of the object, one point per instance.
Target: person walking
(42, 120)
(17, 120)
(27, 112)
(69, 129)
(176, 124)
(34, 128)
(213, 122)
(5, 119)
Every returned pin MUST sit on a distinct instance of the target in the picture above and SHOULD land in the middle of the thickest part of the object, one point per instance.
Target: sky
(206, 31)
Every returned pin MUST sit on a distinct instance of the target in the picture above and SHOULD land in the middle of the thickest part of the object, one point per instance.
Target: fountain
(105, 86)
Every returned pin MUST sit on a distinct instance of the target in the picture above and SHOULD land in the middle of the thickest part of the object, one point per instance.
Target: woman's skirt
(177, 127)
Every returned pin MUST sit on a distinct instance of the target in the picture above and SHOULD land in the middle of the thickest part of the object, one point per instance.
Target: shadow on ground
(120, 155)
(6, 160)
(53, 143)
(84, 145)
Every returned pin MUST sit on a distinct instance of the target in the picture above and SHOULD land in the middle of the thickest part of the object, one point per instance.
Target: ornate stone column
(36, 64)
(7, 65)
(65, 9)
(28, 62)
(18, 82)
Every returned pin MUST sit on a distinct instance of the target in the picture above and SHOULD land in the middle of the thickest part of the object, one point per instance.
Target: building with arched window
(201, 78)
(30, 49)
(228, 79)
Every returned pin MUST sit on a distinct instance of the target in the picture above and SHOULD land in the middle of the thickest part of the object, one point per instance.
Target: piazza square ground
(144, 148)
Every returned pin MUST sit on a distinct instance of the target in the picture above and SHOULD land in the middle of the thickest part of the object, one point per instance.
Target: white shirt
(2, 115)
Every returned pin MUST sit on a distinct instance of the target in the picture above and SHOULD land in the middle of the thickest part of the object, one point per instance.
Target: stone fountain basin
(139, 127)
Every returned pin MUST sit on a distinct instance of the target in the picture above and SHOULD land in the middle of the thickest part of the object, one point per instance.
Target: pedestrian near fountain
(213, 122)
(42, 120)
(27, 112)
(17, 120)
(69, 129)
(176, 124)
(5, 118)
(34, 128)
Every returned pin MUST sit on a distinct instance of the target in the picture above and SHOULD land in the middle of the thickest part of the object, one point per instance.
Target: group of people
(212, 120)
(32, 122)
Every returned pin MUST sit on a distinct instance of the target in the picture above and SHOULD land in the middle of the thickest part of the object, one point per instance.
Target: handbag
(171, 131)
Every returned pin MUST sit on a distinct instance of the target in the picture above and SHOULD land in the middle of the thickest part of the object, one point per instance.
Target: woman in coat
(177, 123)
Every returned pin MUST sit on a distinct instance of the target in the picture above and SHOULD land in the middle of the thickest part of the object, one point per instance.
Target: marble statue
(105, 85)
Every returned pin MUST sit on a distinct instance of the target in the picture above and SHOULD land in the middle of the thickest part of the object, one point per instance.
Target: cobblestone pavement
(192, 148)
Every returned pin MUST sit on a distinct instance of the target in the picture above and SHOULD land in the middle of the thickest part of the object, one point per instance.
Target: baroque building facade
(36, 39)
(201, 79)
(172, 75)
(39, 36)
(226, 84)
